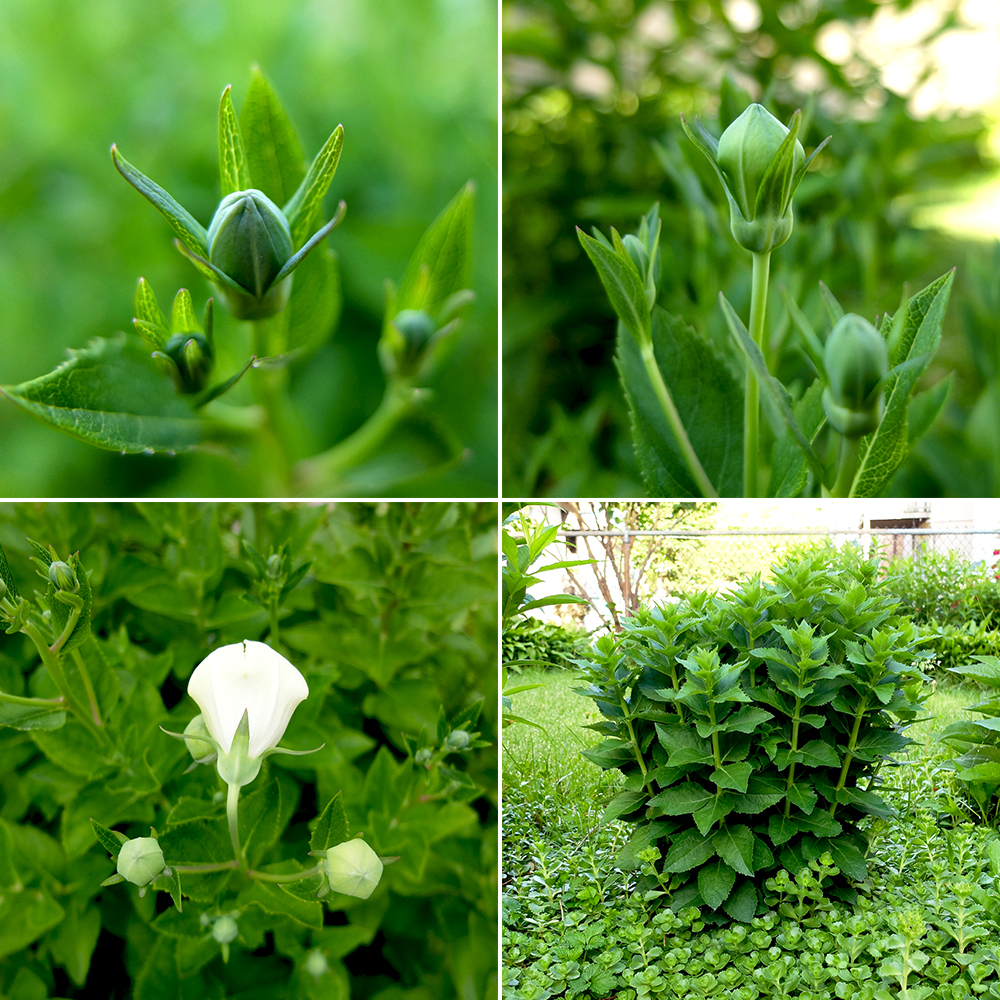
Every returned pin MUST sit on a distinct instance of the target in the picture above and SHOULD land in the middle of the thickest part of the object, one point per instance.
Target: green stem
(635, 744)
(273, 635)
(232, 808)
(88, 687)
(198, 869)
(847, 466)
(751, 401)
(277, 438)
(320, 475)
(852, 745)
(74, 617)
(16, 699)
(666, 402)
(294, 877)
(795, 747)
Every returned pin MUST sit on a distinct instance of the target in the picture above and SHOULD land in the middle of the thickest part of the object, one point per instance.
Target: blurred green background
(412, 81)
(592, 93)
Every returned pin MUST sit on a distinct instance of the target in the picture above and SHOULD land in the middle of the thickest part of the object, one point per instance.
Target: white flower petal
(247, 677)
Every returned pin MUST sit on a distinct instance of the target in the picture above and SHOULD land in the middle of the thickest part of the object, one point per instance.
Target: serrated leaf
(715, 883)
(331, 827)
(847, 858)
(688, 850)
(878, 743)
(735, 845)
(190, 810)
(679, 800)
(27, 717)
(110, 840)
(733, 776)
(719, 807)
(623, 285)
(818, 753)
(882, 452)
(706, 397)
(622, 804)
(234, 174)
(110, 394)
(742, 904)
(802, 796)
(272, 899)
(12, 593)
(746, 720)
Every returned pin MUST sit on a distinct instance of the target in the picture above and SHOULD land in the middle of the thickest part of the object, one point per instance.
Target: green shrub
(944, 587)
(750, 727)
(952, 646)
(542, 643)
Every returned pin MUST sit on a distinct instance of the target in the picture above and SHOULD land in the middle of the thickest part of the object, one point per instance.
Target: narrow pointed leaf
(303, 207)
(182, 317)
(234, 173)
(834, 309)
(217, 390)
(776, 185)
(190, 232)
(623, 285)
(331, 827)
(313, 241)
(273, 152)
(734, 844)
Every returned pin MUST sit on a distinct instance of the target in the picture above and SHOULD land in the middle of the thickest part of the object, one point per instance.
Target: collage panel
(249, 249)
(750, 748)
(248, 750)
(749, 248)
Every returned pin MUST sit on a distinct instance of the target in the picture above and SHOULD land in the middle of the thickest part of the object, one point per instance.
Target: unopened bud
(192, 356)
(424, 755)
(250, 241)
(458, 739)
(856, 362)
(274, 566)
(225, 930)
(199, 749)
(141, 860)
(638, 253)
(316, 964)
(62, 576)
(353, 868)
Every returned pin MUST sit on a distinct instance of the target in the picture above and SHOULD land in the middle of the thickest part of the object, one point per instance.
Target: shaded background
(414, 83)
(907, 189)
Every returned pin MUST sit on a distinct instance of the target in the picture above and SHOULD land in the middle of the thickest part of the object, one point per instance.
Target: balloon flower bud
(225, 930)
(247, 693)
(249, 240)
(201, 750)
(191, 354)
(141, 860)
(405, 342)
(760, 163)
(316, 964)
(458, 739)
(61, 575)
(353, 868)
(856, 362)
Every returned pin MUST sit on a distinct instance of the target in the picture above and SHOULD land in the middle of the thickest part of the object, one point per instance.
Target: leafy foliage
(533, 641)
(750, 727)
(389, 611)
(945, 588)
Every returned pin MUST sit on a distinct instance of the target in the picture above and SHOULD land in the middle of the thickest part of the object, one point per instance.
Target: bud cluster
(856, 362)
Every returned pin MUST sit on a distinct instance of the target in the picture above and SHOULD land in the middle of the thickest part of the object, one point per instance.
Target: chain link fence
(635, 567)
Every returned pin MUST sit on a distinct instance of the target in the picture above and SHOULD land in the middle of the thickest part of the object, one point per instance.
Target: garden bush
(545, 643)
(952, 646)
(390, 613)
(751, 728)
(945, 588)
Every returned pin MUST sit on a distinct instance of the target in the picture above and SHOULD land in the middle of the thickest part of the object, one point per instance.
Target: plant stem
(273, 634)
(852, 744)
(795, 748)
(279, 433)
(232, 806)
(220, 866)
(847, 466)
(666, 402)
(319, 475)
(293, 877)
(751, 402)
(88, 687)
(16, 699)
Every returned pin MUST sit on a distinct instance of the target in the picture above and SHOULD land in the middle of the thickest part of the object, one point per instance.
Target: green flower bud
(62, 576)
(458, 739)
(316, 964)
(274, 566)
(759, 172)
(353, 868)
(199, 749)
(423, 755)
(856, 361)
(225, 930)
(141, 860)
(250, 241)
(638, 253)
(192, 356)
(406, 341)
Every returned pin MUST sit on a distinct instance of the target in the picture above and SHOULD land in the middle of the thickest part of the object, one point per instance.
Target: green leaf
(746, 720)
(707, 399)
(817, 753)
(624, 803)
(623, 285)
(24, 917)
(259, 813)
(31, 717)
(789, 468)
(233, 171)
(273, 152)
(742, 904)
(306, 888)
(734, 844)
(688, 850)
(190, 810)
(271, 899)
(74, 748)
(770, 385)
(925, 407)
(110, 840)
(681, 799)
(303, 207)
(331, 827)
(883, 452)
(803, 796)
(715, 883)
(191, 233)
(441, 265)
(847, 858)
(733, 776)
(314, 308)
(110, 394)
(9, 877)
(12, 593)
(75, 939)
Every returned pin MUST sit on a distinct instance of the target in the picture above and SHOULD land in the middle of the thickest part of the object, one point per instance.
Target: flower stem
(751, 404)
(293, 877)
(220, 866)
(666, 402)
(88, 687)
(847, 466)
(320, 476)
(232, 805)
(278, 435)
(16, 699)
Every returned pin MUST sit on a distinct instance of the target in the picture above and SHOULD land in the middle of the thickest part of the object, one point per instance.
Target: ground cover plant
(583, 913)
(317, 819)
(593, 137)
(411, 88)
